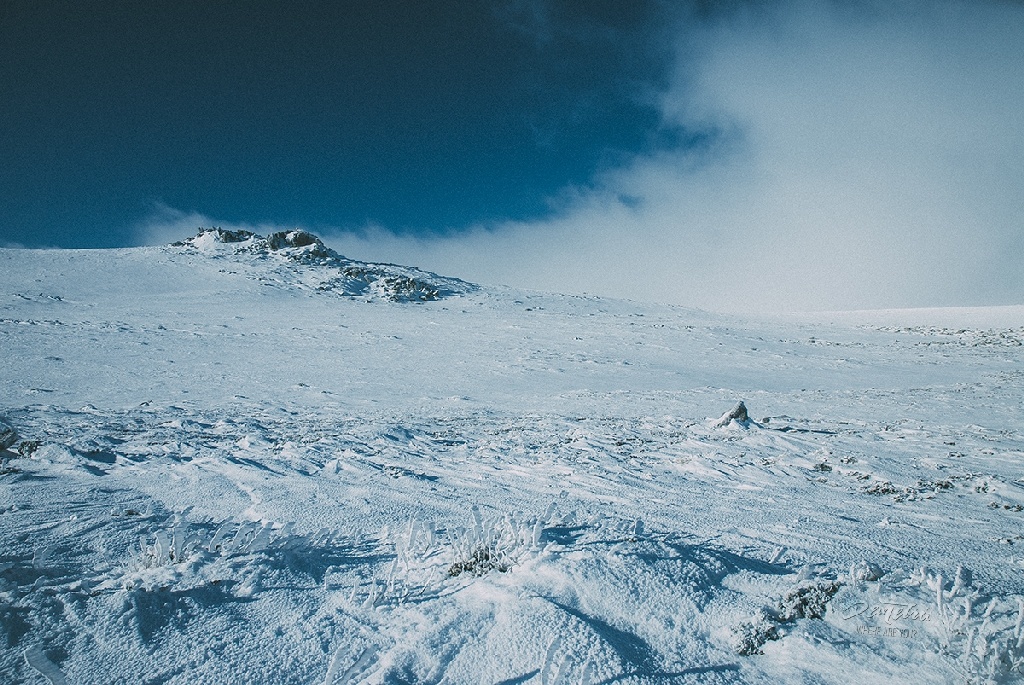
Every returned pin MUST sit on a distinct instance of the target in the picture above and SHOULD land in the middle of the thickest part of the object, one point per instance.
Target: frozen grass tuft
(984, 635)
(184, 556)
(481, 561)
(425, 555)
(492, 543)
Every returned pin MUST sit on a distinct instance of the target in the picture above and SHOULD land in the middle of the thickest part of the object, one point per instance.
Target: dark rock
(283, 239)
(28, 447)
(233, 236)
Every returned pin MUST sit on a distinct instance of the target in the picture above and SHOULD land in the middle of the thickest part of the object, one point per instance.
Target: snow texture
(8, 436)
(249, 460)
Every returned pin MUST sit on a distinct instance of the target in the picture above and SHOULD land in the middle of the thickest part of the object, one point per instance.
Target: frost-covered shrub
(935, 485)
(751, 636)
(807, 601)
(28, 447)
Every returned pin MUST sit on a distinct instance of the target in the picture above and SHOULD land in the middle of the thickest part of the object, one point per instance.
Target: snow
(257, 461)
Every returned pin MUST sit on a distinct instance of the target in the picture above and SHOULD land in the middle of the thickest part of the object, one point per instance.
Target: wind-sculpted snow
(208, 480)
(447, 544)
(311, 264)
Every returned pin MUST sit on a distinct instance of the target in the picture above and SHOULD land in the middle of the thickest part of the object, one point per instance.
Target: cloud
(166, 225)
(860, 155)
(879, 149)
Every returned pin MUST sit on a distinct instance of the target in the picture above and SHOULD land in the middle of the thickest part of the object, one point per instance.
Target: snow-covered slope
(249, 460)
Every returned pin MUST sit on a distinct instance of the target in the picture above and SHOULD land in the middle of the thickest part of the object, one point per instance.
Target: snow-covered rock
(737, 415)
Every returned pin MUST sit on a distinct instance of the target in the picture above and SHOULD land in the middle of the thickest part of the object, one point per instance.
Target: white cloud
(867, 158)
(166, 225)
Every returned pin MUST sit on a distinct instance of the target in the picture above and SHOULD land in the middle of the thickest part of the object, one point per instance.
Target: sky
(747, 156)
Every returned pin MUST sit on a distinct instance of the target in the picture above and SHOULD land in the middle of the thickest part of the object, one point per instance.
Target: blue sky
(421, 117)
(793, 154)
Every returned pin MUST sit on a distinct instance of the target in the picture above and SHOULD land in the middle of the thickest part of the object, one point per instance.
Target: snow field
(224, 473)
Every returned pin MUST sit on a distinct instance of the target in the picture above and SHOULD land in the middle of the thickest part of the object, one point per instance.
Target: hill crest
(317, 266)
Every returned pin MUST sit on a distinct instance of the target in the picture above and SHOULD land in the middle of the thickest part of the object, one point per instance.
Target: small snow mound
(56, 454)
(737, 414)
(866, 571)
